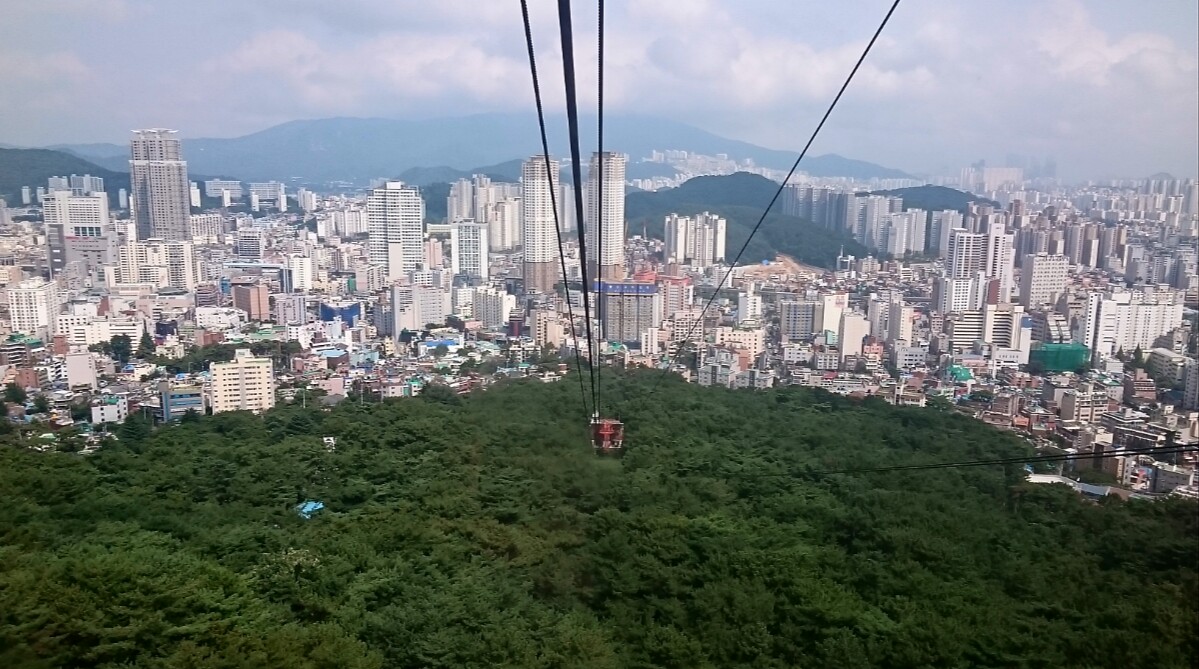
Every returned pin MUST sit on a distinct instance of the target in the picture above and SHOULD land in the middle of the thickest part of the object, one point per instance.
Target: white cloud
(1106, 88)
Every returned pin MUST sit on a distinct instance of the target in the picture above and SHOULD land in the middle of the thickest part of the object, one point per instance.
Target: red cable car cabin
(607, 435)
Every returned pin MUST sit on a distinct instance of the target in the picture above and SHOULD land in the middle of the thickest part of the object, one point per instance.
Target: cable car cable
(778, 192)
(572, 120)
(601, 304)
(545, 153)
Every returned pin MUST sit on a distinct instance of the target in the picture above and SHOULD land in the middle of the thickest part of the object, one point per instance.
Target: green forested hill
(936, 198)
(32, 167)
(740, 198)
(483, 532)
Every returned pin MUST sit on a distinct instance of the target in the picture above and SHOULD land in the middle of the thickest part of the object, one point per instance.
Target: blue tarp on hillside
(307, 509)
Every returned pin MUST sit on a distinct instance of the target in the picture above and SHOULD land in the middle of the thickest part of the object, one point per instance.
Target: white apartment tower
(246, 383)
(605, 210)
(1118, 320)
(161, 191)
(395, 228)
(538, 237)
(695, 240)
(1000, 258)
(157, 263)
(1043, 278)
(966, 254)
(943, 223)
(33, 307)
(468, 249)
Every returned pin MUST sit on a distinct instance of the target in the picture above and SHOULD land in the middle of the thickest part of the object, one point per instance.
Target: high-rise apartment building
(67, 216)
(821, 205)
(156, 262)
(866, 216)
(395, 225)
(33, 307)
(695, 240)
(1042, 279)
(1120, 320)
(797, 319)
(604, 216)
(468, 249)
(966, 254)
(246, 383)
(628, 309)
(538, 237)
(903, 233)
(161, 190)
(943, 223)
(493, 306)
(268, 194)
(223, 188)
(1000, 258)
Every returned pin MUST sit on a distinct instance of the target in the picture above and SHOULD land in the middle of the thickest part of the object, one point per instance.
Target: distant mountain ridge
(358, 149)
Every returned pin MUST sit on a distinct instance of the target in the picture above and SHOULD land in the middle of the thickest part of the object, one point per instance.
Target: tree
(145, 347)
(440, 351)
(1097, 477)
(15, 393)
(41, 404)
(122, 347)
(1138, 358)
(135, 430)
(440, 393)
(939, 403)
(81, 410)
(102, 347)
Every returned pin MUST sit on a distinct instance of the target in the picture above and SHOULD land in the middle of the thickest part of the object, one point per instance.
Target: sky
(1109, 88)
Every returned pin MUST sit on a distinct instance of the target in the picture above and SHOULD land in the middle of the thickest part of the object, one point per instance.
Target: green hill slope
(32, 167)
(740, 198)
(936, 198)
(484, 533)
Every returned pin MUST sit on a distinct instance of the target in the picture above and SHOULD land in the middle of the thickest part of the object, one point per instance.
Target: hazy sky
(1108, 87)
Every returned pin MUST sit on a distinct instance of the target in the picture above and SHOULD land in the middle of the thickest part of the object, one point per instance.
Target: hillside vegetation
(740, 198)
(483, 532)
(32, 167)
(936, 198)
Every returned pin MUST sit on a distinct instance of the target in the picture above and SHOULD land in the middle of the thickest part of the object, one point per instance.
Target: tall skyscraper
(1000, 258)
(965, 255)
(468, 249)
(1043, 278)
(161, 190)
(538, 237)
(943, 223)
(605, 211)
(395, 227)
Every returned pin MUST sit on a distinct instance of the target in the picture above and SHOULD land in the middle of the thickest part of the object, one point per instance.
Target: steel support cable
(572, 120)
(545, 153)
(599, 211)
(779, 191)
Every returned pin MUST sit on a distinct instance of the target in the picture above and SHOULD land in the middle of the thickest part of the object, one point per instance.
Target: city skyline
(951, 94)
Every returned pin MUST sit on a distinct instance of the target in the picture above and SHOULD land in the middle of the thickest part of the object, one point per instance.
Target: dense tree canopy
(484, 532)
